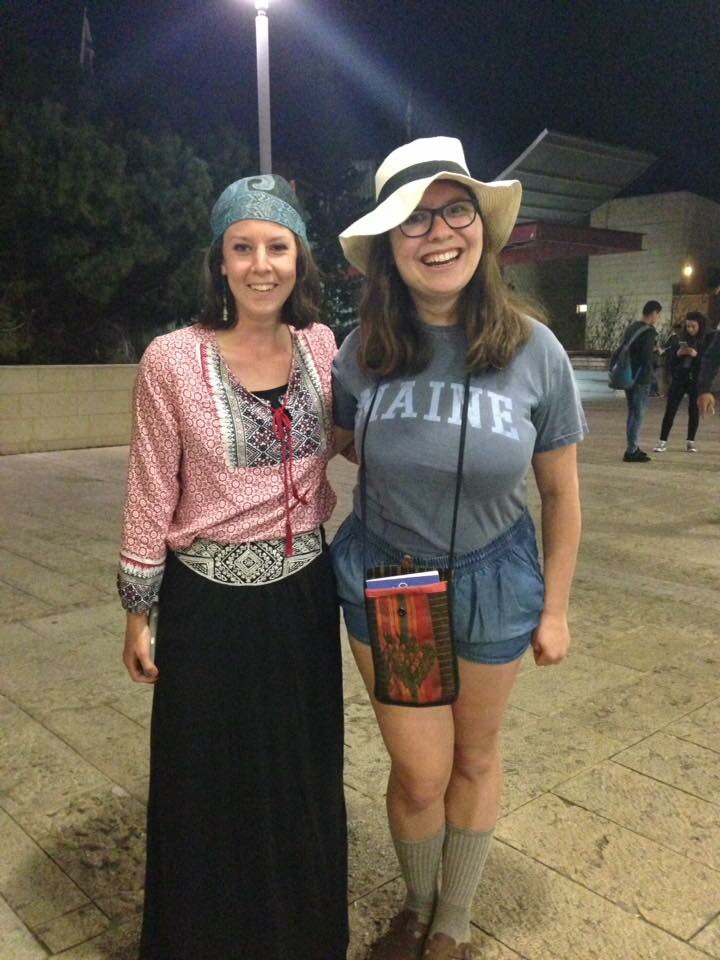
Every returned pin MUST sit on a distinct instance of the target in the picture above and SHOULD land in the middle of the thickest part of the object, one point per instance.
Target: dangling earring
(226, 295)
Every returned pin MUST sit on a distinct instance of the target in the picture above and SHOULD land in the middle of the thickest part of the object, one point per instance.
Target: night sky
(636, 73)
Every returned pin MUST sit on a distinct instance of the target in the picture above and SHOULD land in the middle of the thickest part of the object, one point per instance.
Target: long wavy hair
(300, 310)
(702, 322)
(392, 342)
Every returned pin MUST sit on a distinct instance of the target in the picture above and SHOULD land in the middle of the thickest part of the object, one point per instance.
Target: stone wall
(64, 407)
(69, 407)
(678, 228)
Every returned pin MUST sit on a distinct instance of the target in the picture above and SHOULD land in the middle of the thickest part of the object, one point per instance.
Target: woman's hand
(136, 655)
(344, 443)
(687, 352)
(551, 640)
(706, 404)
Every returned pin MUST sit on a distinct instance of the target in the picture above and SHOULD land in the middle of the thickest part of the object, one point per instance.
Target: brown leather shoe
(403, 940)
(442, 947)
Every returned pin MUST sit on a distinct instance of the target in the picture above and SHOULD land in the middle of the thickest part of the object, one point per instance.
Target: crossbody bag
(411, 627)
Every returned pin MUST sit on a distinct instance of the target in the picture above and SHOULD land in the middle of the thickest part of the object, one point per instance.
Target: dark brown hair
(391, 336)
(301, 308)
(700, 319)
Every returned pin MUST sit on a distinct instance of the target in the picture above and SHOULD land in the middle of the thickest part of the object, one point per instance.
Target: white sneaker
(660, 446)
(690, 446)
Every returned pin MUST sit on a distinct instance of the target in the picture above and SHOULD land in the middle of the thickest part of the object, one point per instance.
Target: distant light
(262, 5)
(688, 270)
(581, 308)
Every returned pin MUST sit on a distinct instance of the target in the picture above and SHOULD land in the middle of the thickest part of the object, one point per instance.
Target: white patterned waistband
(250, 564)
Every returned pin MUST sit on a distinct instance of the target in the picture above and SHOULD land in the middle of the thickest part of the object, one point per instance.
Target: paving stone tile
(81, 622)
(545, 916)
(539, 752)
(64, 664)
(632, 646)
(82, 680)
(139, 788)
(681, 764)
(367, 763)
(17, 605)
(46, 585)
(638, 875)
(32, 884)
(134, 701)
(110, 741)
(353, 685)
(702, 726)
(68, 556)
(119, 942)
(629, 712)
(16, 941)
(709, 939)
(544, 691)
(669, 816)
(699, 665)
(371, 855)
(72, 928)
(98, 839)
(38, 772)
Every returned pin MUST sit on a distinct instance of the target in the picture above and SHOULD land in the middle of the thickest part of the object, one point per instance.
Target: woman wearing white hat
(435, 308)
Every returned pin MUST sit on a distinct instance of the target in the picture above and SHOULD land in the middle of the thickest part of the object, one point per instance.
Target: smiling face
(259, 259)
(438, 266)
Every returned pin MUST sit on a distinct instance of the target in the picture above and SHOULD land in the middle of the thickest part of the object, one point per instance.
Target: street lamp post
(263, 83)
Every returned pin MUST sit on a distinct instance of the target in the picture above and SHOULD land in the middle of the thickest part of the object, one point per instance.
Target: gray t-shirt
(411, 447)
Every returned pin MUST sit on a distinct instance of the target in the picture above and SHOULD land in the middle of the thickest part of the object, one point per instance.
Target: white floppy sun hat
(402, 179)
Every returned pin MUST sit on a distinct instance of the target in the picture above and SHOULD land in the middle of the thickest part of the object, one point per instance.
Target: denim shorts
(497, 596)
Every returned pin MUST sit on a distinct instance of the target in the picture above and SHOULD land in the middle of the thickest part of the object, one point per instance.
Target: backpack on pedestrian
(620, 375)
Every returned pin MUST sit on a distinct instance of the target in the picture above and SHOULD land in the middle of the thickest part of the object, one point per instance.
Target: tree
(330, 211)
(103, 232)
(606, 321)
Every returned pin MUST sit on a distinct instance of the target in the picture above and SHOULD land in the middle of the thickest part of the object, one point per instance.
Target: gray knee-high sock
(420, 864)
(464, 856)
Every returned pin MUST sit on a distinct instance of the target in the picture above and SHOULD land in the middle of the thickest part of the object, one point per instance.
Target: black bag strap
(458, 476)
(635, 335)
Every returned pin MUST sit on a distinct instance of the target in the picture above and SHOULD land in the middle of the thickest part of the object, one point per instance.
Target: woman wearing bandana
(227, 492)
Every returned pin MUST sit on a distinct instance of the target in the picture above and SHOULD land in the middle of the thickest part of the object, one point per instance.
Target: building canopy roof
(564, 178)
(545, 240)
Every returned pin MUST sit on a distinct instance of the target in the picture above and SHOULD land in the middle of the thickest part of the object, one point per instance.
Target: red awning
(545, 240)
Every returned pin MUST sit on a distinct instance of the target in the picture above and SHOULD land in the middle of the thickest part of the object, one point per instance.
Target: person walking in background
(227, 491)
(437, 324)
(709, 368)
(642, 353)
(685, 355)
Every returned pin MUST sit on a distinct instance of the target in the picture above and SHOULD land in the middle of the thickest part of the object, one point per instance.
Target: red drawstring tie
(282, 428)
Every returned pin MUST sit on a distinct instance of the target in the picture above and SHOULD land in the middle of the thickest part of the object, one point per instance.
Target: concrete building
(680, 230)
(592, 259)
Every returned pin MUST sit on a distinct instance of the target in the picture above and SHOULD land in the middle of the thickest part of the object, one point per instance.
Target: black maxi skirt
(246, 850)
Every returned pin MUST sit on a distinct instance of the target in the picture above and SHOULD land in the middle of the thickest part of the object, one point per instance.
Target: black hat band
(419, 171)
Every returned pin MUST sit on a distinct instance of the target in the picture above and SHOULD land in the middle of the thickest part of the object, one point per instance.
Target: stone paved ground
(609, 843)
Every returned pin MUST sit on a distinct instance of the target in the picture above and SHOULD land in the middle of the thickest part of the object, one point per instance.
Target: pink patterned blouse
(205, 461)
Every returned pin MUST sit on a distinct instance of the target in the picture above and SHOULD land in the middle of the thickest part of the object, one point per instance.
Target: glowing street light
(687, 271)
(263, 83)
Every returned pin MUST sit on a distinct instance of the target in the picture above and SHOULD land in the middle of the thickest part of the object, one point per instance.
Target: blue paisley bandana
(265, 197)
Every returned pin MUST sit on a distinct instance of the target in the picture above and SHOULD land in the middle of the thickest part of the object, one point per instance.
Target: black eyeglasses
(457, 215)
